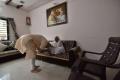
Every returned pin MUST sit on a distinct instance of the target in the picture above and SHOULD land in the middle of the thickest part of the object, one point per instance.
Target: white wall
(19, 17)
(90, 22)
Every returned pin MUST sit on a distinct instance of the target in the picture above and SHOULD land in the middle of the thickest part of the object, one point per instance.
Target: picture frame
(57, 15)
(28, 21)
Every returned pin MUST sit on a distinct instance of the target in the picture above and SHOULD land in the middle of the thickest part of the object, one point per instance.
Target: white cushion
(2, 47)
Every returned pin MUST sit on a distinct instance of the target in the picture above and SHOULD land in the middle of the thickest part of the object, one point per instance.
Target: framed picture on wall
(57, 15)
(28, 21)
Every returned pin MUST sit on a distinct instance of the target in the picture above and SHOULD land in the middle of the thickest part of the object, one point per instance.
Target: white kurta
(30, 43)
(57, 48)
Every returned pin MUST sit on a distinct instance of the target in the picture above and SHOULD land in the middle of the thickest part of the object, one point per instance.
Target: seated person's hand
(50, 45)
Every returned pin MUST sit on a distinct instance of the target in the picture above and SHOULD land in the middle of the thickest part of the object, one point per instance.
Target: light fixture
(17, 4)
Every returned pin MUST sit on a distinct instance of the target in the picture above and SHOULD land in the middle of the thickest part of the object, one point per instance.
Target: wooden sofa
(64, 59)
(9, 53)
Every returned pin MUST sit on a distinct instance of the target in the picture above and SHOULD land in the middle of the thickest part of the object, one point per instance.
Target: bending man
(31, 44)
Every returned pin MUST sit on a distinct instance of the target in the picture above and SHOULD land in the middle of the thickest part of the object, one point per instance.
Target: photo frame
(28, 21)
(57, 15)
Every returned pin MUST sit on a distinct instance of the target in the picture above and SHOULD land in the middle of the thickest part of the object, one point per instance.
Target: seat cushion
(95, 69)
(9, 48)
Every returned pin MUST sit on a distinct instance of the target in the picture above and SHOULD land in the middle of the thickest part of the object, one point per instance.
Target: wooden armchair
(98, 67)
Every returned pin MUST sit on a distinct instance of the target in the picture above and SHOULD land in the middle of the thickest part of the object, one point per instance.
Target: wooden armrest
(76, 48)
(92, 61)
(114, 66)
(73, 49)
(92, 52)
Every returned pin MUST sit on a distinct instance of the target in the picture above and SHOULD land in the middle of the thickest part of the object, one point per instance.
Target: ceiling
(30, 4)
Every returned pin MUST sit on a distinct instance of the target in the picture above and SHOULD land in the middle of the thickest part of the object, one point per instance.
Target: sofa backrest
(6, 42)
(68, 44)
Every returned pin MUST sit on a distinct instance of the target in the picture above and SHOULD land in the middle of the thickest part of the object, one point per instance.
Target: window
(3, 29)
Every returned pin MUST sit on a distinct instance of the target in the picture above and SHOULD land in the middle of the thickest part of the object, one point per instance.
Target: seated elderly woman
(31, 44)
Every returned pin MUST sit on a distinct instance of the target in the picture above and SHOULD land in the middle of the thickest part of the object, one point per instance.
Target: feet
(36, 69)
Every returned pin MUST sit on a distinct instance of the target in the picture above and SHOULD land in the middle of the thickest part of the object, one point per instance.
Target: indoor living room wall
(19, 18)
(90, 22)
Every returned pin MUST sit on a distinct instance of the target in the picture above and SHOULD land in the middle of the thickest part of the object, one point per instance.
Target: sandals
(36, 69)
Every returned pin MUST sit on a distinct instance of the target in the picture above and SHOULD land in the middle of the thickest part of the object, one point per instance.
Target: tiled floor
(20, 70)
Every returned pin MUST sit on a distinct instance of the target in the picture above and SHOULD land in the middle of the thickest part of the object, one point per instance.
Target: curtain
(13, 25)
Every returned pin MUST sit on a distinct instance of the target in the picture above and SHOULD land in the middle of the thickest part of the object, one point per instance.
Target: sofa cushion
(10, 45)
(9, 48)
(10, 52)
(6, 42)
(2, 47)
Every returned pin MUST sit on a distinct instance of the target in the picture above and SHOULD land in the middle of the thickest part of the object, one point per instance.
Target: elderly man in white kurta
(30, 44)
